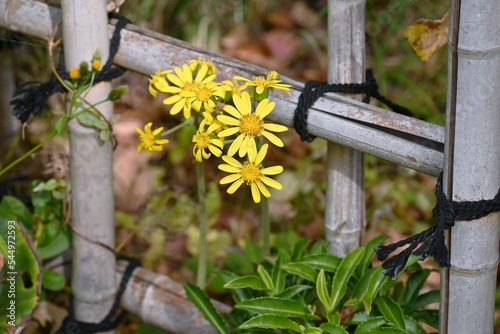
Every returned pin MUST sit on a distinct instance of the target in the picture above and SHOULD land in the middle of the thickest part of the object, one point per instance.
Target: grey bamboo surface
(471, 165)
(345, 214)
(399, 139)
(91, 168)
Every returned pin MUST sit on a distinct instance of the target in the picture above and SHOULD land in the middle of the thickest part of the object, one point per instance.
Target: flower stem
(203, 243)
(27, 154)
(187, 122)
(266, 227)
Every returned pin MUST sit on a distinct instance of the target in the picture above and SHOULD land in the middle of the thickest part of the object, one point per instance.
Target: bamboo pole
(93, 280)
(399, 139)
(345, 198)
(471, 165)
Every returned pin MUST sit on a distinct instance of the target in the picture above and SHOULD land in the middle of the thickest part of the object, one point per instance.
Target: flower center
(250, 172)
(202, 140)
(251, 125)
(189, 86)
(204, 94)
(260, 81)
(148, 140)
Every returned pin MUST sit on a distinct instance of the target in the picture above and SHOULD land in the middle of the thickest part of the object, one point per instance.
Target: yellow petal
(217, 142)
(230, 178)
(243, 146)
(243, 103)
(234, 186)
(273, 170)
(251, 148)
(261, 155)
(255, 193)
(172, 99)
(275, 127)
(177, 107)
(235, 145)
(229, 168)
(264, 108)
(273, 138)
(228, 132)
(271, 183)
(228, 120)
(232, 161)
(232, 111)
(157, 131)
(263, 189)
(216, 151)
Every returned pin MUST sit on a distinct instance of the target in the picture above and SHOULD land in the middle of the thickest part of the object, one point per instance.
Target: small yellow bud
(75, 74)
(96, 64)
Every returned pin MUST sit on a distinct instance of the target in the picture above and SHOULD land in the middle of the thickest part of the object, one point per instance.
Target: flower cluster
(231, 112)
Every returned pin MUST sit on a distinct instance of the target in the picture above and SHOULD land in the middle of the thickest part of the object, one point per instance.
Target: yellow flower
(252, 173)
(232, 88)
(183, 82)
(75, 74)
(260, 86)
(195, 65)
(249, 124)
(204, 96)
(151, 141)
(204, 141)
(96, 64)
(158, 82)
(212, 123)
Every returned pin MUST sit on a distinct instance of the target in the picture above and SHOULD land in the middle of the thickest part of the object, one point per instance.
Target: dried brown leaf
(426, 36)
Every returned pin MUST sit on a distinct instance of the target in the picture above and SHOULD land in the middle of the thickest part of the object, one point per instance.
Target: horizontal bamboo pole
(384, 134)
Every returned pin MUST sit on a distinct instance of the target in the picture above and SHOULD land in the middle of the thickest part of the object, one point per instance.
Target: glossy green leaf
(266, 278)
(388, 330)
(361, 286)
(425, 299)
(413, 326)
(414, 284)
(391, 311)
(326, 262)
(313, 330)
(430, 317)
(3, 246)
(322, 291)
(375, 284)
(105, 134)
(278, 274)
(239, 294)
(369, 325)
(332, 328)
(250, 281)
(278, 306)
(52, 280)
(294, 290)
(302, 270)
(345, 270)
(203, 303)
(271, 321)
(299, 249)
(12, 208)
(319, 247)
(368, 256)
(58, 245)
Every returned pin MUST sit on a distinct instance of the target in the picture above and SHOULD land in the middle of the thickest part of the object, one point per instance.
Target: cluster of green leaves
(311, 291)
(40, 234)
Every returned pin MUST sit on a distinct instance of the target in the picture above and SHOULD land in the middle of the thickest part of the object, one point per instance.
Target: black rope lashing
(313, 90)
(71, 325)
(32, 97)
(431, 242)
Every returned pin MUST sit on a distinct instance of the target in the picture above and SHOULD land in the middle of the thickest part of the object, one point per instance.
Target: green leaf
(369, 325)
(388, 330)
(13, 209)
(61, 124)
(425, 299)
(266, 278)
(332, 328)
(271, 321)
(294, 290)
(327, 262)
(58, 245)
(413, 326)
(203, 303)
(299, 249)
(313, 330)
(391, 311)
(375, 284)
(278, 306)
(343, 274)
(52, 280)
(250, 281)
(91, 119)
(3, 246)
(430, 317)
(322, 291)
(105, 134)
(302, 270)
(239, 294)
(414, 284)
(278, 274)
(368, 256)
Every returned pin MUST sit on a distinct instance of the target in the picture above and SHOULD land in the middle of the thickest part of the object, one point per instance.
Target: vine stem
(201, 275)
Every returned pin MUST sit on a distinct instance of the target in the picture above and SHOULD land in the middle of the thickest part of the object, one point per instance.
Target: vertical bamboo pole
(345, 198)
(472, 157)
(85, 29)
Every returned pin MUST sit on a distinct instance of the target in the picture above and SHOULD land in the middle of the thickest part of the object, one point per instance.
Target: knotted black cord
(32, 97)
(432, 241)
(71, 325)
(315, 89)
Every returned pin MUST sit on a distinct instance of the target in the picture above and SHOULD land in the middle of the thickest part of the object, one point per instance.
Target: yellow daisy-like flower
(260, 86)
(204, 96)
(158, 81)
(150, 140)
(182, 81)
(204, 141)
(214, 125)
(75, 74)
(252, 173)
(232, 88)
(195, 65)
(249, 124)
